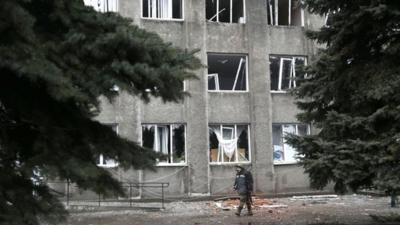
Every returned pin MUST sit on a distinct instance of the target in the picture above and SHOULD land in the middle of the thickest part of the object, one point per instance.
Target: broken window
(225, 11)
(229, 143)
(166, 139)
(227, 72)
(103, 5)
(285, 12)
(283, 152)
(162, 9)
(104, 161)
(284, 70)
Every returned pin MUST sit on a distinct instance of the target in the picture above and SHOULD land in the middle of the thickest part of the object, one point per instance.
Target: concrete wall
(258, 107)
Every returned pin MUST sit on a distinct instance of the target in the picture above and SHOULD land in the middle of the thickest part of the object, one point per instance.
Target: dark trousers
(245, 199)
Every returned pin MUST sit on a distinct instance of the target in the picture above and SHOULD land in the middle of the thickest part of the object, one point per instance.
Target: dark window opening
(284, 12)
(227, 72)
(166, 139)
(162, 9)
(229, 143)
(225, 11)
(286, 72)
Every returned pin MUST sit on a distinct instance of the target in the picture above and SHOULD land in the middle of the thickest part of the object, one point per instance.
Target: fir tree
(57, 58)
(352, 97)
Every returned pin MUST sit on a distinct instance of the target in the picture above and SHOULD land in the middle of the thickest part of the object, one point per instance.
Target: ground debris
(232, 203)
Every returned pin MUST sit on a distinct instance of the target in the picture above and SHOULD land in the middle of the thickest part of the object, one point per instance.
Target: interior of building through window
(286, 72)
(284, 12)
(163, 9)
(225, 11)
(102, 159)
(178, 143)
(103, 5)
(160, 139)
(277, 144)
(229, 143)
(283, 152)
(227, 72)
(243, 143)
(237, 11)
(211, 10)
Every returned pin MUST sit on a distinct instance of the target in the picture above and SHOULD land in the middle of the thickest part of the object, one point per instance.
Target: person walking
(244, 186)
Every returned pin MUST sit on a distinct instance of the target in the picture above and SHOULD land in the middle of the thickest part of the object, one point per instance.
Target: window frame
(215, 75)
(286, 162)
(112, 162)
(282, 58)
(274, 17)
(160, 163)
(217, 12)
(87, 3)
(163, 19)
(236, 152)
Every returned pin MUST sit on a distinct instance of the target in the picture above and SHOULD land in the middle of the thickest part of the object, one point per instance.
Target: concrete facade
(258, 106)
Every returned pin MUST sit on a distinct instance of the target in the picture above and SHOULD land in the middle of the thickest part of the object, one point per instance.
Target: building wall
(258, 107)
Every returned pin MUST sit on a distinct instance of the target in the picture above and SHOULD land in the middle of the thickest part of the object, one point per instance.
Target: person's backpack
(249, 180)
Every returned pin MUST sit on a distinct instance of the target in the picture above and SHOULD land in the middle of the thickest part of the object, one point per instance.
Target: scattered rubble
(233, 203)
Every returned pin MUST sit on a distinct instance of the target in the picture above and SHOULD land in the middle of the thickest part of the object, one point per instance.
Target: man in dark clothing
(244, 186)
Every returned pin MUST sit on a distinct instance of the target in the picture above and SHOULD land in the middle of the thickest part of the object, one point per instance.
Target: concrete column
(196, 105)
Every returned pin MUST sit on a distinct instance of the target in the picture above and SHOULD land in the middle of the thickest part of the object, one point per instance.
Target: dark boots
(249, 212)
(237, 213)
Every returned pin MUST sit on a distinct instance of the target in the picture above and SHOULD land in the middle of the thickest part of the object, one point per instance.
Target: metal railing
(70, 192)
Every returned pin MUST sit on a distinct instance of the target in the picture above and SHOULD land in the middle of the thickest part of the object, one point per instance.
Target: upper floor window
(168, 139)
(284, 70)
(163, 9)
(104, 161)
(283, 152)
(229, 143)
(227, 72)
(225, 11)
(285, 12)
(103, 5)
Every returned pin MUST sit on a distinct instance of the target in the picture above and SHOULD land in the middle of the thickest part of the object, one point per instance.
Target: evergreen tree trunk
(393, 199)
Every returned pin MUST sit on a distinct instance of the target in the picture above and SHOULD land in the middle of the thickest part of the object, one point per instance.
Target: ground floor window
(104, 161)
(168, 139)
(283, 152)
(229, 143)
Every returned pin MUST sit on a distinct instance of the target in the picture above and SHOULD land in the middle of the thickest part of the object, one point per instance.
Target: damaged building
(239, 111)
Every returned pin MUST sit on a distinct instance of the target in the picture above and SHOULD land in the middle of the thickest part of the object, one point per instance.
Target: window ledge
(285, 26)
(223, 23)
(170, 164)
(279, 92)
(162, 19)
(228, 163)
(286, 163)
(107, 166)
(226, 91)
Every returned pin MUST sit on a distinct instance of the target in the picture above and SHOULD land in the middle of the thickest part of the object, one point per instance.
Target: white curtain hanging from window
(227, 146)
(162, 139)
